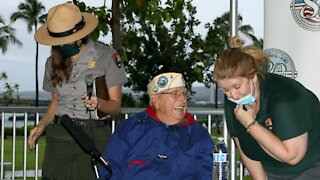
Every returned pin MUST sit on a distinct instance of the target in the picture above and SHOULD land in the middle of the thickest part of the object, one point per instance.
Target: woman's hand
(245, 114)
(92, 103)
(34, 135)
(46, 119)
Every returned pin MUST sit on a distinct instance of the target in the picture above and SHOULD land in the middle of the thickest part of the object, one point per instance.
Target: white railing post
(25, 142)
(209, 123)
(209, 112)
(37, 153)
(13, 147)
(2, 146)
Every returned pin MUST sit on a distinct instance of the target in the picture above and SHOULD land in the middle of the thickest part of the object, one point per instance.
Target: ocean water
(20, 122)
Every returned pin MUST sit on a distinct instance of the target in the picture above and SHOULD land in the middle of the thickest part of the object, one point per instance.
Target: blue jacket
(144, 148)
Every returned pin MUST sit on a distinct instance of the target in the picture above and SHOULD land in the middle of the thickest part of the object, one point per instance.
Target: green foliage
(7, 36)
(104, 16)
(8, 97)
(8, 131)
(9, 92)
(159, 35)
(31, 11)
(128, 100)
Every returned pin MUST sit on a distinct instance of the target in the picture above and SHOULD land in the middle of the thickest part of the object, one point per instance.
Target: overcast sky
(19, 62)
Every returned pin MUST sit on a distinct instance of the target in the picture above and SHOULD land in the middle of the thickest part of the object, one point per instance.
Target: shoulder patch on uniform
(117, 59)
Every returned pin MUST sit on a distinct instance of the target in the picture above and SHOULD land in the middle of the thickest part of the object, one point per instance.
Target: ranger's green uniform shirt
(293, 110)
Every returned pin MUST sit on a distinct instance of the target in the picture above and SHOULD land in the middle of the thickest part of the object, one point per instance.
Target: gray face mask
(69, 50)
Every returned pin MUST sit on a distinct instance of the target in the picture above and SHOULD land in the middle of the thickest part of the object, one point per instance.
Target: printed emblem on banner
(281, 63)
(306, 13)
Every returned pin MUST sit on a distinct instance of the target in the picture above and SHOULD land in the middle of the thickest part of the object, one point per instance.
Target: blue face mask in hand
(246, 100)
(69, 50)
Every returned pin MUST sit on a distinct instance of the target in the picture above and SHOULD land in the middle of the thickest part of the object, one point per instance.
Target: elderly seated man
(162, 142)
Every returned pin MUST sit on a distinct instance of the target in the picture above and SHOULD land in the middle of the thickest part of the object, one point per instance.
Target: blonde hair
(240, 61)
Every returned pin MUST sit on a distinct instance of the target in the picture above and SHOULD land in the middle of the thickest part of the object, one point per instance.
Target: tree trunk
(216, 96)
(216, 106)
(115, 26)
(37, 81)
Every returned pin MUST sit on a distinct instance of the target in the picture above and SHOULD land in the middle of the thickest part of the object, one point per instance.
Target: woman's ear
(255, 77)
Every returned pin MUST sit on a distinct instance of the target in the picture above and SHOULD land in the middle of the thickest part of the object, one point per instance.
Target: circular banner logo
(306, 13)
(281, 63)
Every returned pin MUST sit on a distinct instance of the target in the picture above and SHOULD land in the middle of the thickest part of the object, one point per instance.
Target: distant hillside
(202, 94)
(43, 95)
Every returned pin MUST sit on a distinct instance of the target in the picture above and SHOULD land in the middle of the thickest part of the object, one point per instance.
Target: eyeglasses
(177, 94)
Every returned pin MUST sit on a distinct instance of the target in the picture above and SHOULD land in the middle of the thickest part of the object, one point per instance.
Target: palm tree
(7, 36)
(247, 30)
(32, 12)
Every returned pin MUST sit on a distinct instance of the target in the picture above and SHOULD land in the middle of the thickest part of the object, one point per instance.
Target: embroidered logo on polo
(281, 63)
(117, 59)
(306, 13)
(268, 123)
(161, 156)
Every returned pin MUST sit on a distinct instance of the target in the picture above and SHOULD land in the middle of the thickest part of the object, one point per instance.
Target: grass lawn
(19, 153)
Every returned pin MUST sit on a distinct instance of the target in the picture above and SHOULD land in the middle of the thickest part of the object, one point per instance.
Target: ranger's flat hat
(65, 24)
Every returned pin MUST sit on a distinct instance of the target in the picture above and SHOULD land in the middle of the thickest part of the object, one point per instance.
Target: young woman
(274, 120)
(75, 63)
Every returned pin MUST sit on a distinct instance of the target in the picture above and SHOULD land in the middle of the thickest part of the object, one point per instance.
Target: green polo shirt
(293, 110)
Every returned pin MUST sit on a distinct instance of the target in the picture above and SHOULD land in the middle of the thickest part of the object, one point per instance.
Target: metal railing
(10, 116)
